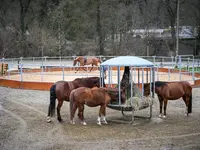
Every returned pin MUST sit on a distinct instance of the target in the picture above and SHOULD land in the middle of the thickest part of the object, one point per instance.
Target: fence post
(188, 64)
(42, 71)
(168, 73)
(60, 61)
(21, 72)
(154, 59)
(3, 60)
(179, 57)
(45, 62)
(162, 60)
(63, 72)
(193, 75)
(172, 57)
(21, 58)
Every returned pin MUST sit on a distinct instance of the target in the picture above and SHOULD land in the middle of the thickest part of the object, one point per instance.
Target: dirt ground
(23, 126)
(70, 75)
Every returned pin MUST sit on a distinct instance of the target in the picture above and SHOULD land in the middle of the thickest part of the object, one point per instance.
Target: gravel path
(23, 126)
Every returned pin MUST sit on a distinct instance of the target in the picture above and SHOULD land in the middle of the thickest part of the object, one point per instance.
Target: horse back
(91, 97)
(175, 90)
(101, 96)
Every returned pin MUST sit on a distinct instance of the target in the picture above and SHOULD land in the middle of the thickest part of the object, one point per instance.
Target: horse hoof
(59, 119)
(99, 123)
(105, 122)
(48, 119)
(72, 122)
(186, 114)
(164, 117)
(84, 123)
(160, 116)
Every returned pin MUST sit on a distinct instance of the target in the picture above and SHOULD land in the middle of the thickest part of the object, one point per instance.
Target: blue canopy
(128, 61)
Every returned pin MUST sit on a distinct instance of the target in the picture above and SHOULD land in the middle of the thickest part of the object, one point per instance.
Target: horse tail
(190, 104)
(52, 104)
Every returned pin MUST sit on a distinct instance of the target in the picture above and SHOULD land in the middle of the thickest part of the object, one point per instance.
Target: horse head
(147, 89)
(158, 87)
(114, 94)
(75, 61)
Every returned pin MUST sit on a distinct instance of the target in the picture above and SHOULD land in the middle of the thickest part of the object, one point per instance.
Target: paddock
(23, 117)
(23, 126)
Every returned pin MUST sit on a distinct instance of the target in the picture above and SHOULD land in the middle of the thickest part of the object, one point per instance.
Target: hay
(139, 103)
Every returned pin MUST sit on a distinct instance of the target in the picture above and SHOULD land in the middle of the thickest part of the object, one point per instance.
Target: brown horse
(83, 60)
(61, 91)
(92, 97)
(171, 91)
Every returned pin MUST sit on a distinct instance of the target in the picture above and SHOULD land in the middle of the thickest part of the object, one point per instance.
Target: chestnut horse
(83, 60)
(61, 91)
(171, 91)
(92, 97)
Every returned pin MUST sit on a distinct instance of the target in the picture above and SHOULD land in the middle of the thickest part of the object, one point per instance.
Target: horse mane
(114, 93)
(88, 80)
(160, 83)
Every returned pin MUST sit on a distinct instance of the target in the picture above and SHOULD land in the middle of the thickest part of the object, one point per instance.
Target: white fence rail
(16, 67)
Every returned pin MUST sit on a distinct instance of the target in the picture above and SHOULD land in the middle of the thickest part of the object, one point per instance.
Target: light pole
(177, 31)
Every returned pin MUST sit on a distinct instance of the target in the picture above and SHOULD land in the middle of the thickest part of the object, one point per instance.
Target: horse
(83, 60)
(61, 91)
(92, 97)
(171, 91)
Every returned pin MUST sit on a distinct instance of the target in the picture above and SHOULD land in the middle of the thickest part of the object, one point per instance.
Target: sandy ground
(71, 75)
(23, 126)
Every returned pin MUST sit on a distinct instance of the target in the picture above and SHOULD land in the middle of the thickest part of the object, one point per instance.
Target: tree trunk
(23, 11)
(99, 30)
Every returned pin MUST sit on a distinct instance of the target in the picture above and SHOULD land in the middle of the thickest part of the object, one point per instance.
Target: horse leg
(74, 108)
(76, 69)
(60, 103)
(99, 117)
(105, 74)
(103, 112)
(80, 114)
(186, 100)
(161, 105)
(91, 68)
(165, 108)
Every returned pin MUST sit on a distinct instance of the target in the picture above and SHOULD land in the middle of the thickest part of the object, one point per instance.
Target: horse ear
(146, 85)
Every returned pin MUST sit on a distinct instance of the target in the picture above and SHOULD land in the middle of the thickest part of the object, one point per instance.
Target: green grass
(196, 69)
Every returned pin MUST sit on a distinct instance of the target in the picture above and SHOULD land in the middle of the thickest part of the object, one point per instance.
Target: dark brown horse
(61, 91)
(83, 60)
(171, 91)
(92, 97)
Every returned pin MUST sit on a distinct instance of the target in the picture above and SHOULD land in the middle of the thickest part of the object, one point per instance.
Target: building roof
(128, 61)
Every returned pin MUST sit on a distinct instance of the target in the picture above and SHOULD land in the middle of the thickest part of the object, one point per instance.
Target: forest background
(37, 28)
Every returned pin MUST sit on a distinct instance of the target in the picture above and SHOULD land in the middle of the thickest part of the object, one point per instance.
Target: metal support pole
(63, 72)
(177, 30)
(119, 87)
(193, 77)
(21, 71)
(179, 67)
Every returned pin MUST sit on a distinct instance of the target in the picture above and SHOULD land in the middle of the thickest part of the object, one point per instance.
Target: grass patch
(196, 69)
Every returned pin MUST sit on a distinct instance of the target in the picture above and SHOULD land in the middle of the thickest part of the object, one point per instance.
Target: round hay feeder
(130, 73)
